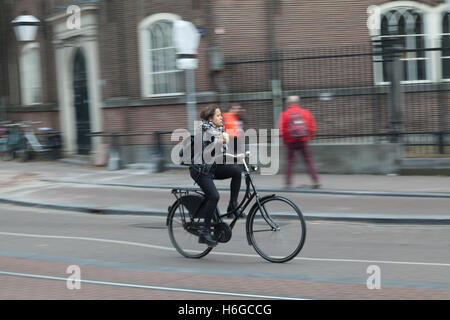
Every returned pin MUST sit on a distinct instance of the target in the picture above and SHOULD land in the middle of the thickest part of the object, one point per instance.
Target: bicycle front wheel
(183, 233)
(277, 229)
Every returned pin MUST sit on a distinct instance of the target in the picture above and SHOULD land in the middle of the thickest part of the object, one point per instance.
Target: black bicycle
(275, 226)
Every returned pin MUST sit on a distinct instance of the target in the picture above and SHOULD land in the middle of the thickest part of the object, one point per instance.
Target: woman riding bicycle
(214, 145)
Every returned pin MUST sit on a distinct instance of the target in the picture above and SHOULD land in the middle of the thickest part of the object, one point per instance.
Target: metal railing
(114, 160)
(338, 86)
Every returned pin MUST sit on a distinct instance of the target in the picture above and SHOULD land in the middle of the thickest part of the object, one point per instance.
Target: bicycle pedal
(202, 239)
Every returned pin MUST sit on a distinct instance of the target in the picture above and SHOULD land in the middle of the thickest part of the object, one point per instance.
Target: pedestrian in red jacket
(233, 126)
(297, 126)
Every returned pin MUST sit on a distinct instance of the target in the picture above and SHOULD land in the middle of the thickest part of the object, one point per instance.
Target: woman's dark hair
(208, 112)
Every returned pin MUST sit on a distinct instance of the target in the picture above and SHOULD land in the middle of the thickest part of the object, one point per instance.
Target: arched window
(159, 73)
(407, 25)
(30, 74)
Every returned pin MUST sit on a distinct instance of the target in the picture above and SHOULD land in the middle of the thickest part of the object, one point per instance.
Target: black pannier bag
(192, 204)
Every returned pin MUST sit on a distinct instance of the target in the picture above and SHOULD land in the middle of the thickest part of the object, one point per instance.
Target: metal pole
(191, 101)
(275, 65)
(114, 161)
(159, 152)
(3, 112)
(277, 100)
(396, 95)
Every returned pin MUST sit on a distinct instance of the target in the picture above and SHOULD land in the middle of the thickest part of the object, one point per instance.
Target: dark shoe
(205, 237)
(231, 207)
(236, 214)
(232, 212)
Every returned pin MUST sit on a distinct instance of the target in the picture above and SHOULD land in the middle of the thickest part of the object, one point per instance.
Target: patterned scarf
(208, 125)
(211, 127)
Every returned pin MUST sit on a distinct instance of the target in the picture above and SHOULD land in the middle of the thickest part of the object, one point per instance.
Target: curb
(363, 217)
(83, 209)
(279, 190)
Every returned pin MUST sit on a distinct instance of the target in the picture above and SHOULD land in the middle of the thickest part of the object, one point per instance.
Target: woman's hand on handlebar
(225, 138)
(239, 157)
(234, 157)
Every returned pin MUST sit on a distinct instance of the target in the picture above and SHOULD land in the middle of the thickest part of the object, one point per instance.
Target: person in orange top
(233, 126)
(307, 126)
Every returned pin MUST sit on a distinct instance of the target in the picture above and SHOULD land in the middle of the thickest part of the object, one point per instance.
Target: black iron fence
(347, 91)
(152, 140)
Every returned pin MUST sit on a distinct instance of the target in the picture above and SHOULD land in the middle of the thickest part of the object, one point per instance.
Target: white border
(66, 42)
(144, 49)
(432, 23)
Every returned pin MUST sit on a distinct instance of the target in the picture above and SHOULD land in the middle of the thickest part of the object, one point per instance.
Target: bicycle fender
(252, 209)
(170, 209)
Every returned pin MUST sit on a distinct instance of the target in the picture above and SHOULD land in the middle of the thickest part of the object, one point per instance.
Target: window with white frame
(30, 74)
(407, 25)
(159, 74)
(445, 42)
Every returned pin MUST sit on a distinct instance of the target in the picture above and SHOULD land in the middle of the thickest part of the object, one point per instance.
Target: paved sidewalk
(97, 190)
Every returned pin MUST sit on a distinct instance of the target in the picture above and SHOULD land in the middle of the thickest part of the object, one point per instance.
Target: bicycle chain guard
(222, 232)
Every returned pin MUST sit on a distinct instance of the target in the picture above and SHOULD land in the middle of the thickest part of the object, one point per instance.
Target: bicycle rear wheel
(277, 230)
(183, 232)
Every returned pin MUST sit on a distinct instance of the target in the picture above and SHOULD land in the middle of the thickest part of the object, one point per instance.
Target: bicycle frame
(259, 219)
(248, 198)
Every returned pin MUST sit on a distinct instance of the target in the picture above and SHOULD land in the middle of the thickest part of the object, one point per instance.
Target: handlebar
(243, 157)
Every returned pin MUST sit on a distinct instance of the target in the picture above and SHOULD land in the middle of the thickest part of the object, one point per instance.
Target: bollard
(114, 162)
(159, 152)
(441, 141)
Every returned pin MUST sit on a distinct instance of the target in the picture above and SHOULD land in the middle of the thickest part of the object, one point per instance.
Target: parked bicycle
(51, 143)
(275, 226)
(13, 142)
(22, 142)
(4, 135)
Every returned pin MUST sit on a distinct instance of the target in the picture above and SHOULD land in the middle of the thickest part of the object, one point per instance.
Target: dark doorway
(83, 121)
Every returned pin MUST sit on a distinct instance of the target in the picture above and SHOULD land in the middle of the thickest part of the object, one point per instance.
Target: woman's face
(217, 118)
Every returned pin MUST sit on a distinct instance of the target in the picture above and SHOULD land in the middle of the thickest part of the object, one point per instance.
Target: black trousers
(206, 183)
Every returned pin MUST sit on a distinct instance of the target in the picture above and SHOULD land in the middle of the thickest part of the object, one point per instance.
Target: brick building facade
(118, 51)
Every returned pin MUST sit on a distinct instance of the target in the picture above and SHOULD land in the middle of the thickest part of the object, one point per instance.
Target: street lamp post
(25, 27)
(186, 39)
